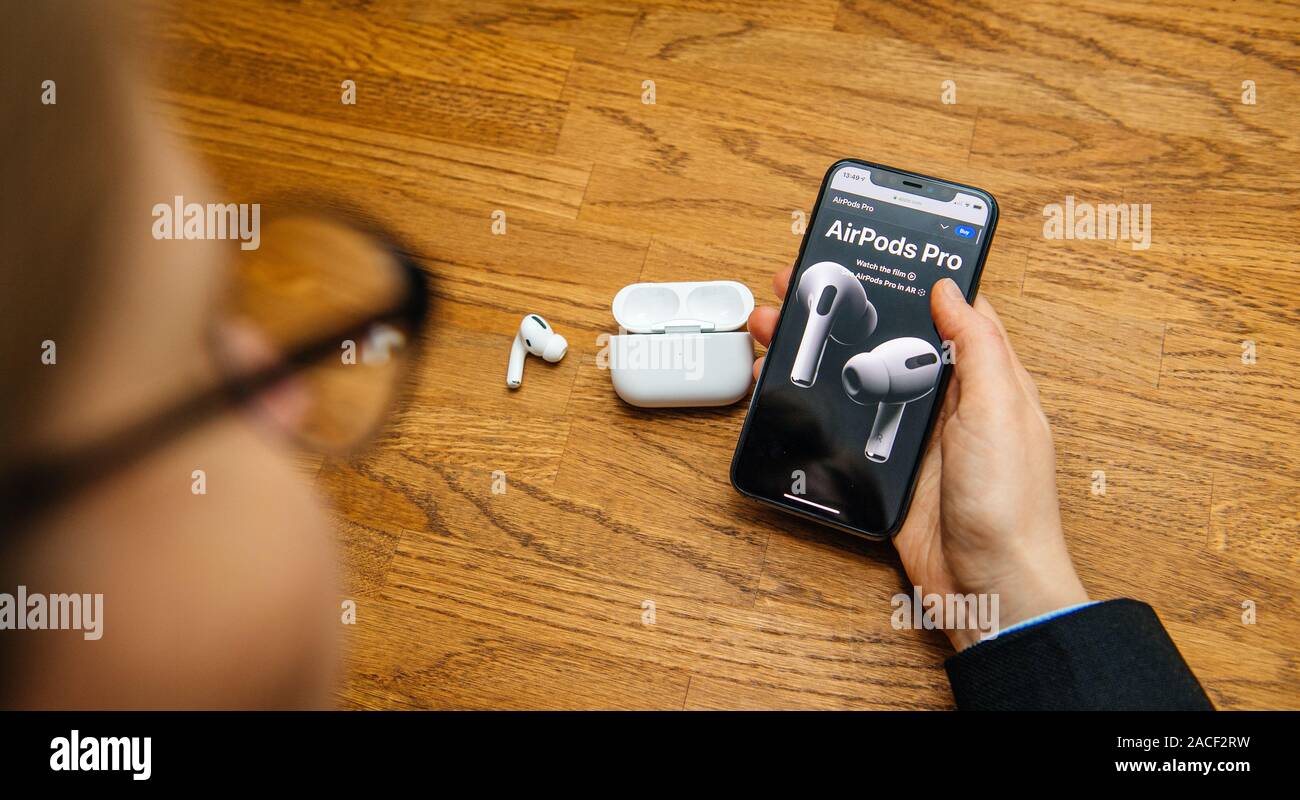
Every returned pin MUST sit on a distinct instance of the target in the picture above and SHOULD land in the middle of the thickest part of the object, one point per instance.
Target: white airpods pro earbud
(538, 338)
(837, 308)
(893, 375)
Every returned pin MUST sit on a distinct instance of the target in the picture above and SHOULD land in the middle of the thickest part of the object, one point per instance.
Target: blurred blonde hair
(64, 165)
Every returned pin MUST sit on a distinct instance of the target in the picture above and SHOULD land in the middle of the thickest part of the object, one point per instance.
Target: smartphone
(856, 372)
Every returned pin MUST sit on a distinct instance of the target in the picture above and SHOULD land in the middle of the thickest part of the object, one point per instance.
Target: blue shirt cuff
(1038, 620)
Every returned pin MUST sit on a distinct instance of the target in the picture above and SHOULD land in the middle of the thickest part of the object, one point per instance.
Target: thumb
(978, 349)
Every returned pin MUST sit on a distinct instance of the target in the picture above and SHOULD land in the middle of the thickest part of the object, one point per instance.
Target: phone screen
(837, 423)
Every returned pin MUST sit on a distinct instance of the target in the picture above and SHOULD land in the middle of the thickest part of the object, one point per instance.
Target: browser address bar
(855, 180)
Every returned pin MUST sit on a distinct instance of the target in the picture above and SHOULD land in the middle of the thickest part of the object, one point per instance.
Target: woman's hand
(984, 518)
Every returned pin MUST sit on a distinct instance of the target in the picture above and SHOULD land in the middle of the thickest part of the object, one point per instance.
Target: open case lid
(678, 307)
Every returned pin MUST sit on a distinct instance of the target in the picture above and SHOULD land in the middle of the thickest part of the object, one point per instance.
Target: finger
(920, 530)
(982, 355)
(984, 307)
(951, 401)
(781, 281)
(762, 324)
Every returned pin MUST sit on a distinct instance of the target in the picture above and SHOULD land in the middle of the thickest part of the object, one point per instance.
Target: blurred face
(213, 559)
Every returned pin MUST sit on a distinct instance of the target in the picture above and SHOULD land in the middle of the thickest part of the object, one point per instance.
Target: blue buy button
(965, 231)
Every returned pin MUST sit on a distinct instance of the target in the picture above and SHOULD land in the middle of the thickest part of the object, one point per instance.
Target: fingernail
(949, 287)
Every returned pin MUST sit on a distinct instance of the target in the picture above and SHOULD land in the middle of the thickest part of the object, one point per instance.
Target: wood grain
(539, 597)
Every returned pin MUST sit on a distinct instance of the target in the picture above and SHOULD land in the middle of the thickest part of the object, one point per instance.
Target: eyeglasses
(316, 332)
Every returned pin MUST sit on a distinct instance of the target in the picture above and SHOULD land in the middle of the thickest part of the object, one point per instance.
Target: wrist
(1033, 596)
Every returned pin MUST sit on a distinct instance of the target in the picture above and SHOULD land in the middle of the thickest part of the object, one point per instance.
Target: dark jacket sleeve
(1112, 655)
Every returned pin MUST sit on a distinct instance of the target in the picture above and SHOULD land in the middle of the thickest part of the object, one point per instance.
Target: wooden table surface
(540, 597)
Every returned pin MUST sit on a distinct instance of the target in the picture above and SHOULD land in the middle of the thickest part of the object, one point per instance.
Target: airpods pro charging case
(680, 344)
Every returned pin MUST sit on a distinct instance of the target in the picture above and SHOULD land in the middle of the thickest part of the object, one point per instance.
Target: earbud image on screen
(837, 308)
(891, 376)
(837, 424)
